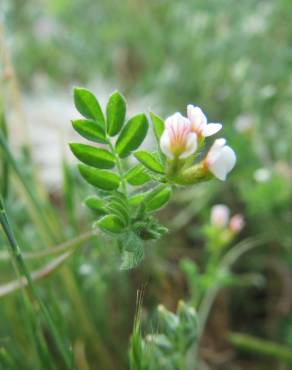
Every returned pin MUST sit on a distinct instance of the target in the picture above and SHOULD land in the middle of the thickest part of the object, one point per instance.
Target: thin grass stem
(23, 270)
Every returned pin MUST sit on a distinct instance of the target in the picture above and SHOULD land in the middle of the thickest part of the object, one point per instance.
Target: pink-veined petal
(191, 145)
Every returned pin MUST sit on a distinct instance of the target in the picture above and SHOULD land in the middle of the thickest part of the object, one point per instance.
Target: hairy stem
(119, 167)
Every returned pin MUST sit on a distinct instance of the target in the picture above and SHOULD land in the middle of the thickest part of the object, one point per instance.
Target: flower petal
(191, 145)
(229, 157)
(220, 214)
(197, 117)
(215, 150)
(171, 120)
(237, 223)
(223, 163)
(211, 129)
(165, 144)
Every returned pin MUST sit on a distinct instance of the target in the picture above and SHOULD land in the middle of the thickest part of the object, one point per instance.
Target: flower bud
(177, 140)
(159, 340)
(220, 159)
(199, 123)
(220, 215)
(187, 313)
(168, 319)
(236, 223)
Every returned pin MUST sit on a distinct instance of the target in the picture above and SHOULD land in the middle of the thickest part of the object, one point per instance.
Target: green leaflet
(149, 161)
(95, 204)
(119, 211)
(118, 208)
(90, 130)
(159, 199)
(132, 135)
(137, 199)
(158, 125)
(111, 224)
(115, 113)
(137, 176)
(87, 104)
(154, 199)
(96, 157)
(102, 179)
(119, 197)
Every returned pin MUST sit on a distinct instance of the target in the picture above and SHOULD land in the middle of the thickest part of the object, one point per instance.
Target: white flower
(85, 269)
(177, 139)
(236, 223)
(244, 124)
(220, 159)
(199, 123)
(220, 215)
(262, 175)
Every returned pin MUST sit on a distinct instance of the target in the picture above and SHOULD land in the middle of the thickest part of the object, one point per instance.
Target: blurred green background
(233, 59)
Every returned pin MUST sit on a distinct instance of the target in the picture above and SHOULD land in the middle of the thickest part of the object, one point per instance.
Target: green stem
(181, 364)
(4, 166)
(203, 315)
(36, 275)
(205, 307)
(261, 347)
(33, 327)
(23, 270)
(63, 247)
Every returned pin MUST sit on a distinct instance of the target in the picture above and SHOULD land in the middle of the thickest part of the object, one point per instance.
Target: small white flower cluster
(220, 217)
(182, 135)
